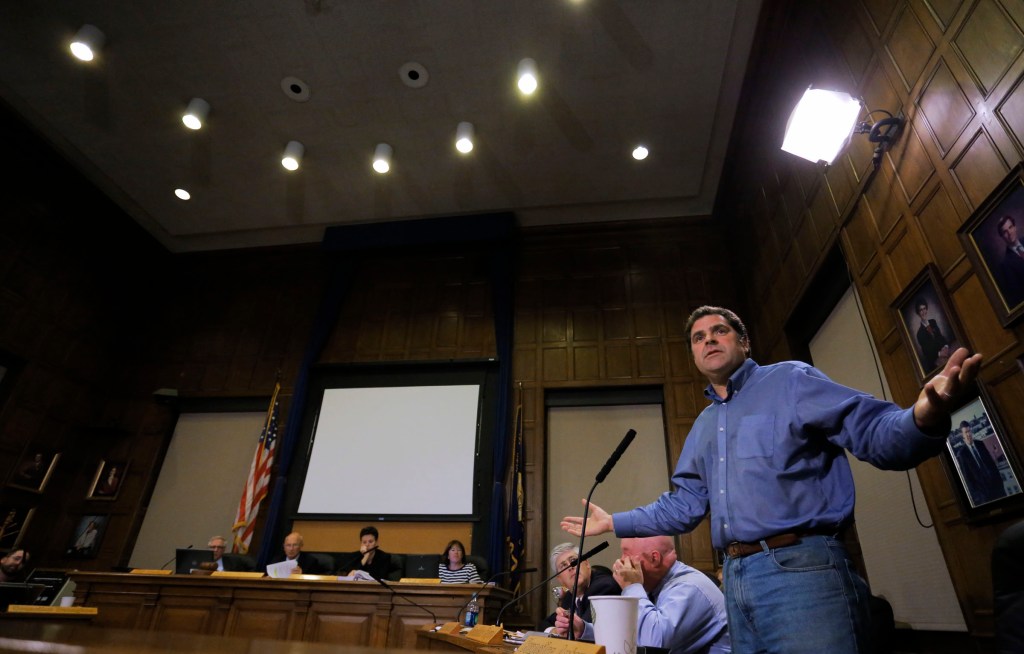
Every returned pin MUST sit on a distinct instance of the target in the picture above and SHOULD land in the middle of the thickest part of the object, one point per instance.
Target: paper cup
(615, 623)
(67, 601)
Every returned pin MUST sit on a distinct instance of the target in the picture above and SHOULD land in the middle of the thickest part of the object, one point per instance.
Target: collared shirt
(769, 457)
(686, 616)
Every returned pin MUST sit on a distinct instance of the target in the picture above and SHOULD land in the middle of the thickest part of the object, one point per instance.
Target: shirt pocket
(755, 437)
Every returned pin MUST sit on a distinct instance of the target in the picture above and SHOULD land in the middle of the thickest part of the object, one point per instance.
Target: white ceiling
(613, 73)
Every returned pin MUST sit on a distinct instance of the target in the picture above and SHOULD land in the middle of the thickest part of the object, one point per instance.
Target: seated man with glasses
(223, 561)
(596, 580)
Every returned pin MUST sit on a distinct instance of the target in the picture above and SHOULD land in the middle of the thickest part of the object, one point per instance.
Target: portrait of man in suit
(985, 471)
(1009, 272)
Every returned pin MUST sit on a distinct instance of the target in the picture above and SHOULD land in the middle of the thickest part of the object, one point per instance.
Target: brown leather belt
(738, 550)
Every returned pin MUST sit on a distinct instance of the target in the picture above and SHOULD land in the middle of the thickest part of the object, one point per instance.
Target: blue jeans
(802, 599)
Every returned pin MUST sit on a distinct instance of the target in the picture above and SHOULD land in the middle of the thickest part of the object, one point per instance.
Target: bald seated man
(680, 608)
(306, 563)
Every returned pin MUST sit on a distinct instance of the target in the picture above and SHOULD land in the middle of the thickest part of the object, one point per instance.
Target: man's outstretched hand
(599, 522)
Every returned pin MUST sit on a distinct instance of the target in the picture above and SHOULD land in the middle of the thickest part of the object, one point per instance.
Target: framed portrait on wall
(983, 467)
(87, 536)
(927, 323)
(14, 523)
(106, 483)
(34, 469)
(993, 238)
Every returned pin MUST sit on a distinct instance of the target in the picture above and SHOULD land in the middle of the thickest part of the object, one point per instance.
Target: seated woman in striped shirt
(453, 568)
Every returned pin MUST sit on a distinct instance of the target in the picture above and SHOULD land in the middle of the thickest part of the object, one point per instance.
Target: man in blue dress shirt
(680, 609)
(766, 457)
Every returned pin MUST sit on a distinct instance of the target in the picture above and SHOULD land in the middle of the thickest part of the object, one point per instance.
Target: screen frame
(482, 372)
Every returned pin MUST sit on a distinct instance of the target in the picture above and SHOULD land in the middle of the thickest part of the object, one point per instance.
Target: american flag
(255, 488)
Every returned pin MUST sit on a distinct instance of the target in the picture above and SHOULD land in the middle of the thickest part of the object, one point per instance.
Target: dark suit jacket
(309, 564)
(1010, 275)
(601, 583)
(982, 479)
(380, 567)
(931, 342)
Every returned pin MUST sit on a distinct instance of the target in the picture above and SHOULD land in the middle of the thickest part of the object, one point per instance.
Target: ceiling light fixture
(464, 137)
(196, 113)
(640, 153)
(823, 122)
(87, 42)
(293, 155)
(182, 194)
(382, 158)
(527, 76)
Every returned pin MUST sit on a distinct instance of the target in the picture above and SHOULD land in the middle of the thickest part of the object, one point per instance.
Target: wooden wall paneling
(911, 163)
(979, 167)
(982, 328)
(880, 13)
(938, 218)
(909, 47)
(860, 236)
(945, 106)
(989, 42)
(942, 12)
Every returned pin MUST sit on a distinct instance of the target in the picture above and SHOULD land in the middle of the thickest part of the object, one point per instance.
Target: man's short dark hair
(369, 531)
(730, 317)
(1007, 218)
(920, 302)
(964, 423)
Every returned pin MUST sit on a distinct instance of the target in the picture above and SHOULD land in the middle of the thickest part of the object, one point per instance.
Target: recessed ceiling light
(413, 75)
(526, 76)
(182, 194)
(196, 113)
(464, 137)
(292, 157)
(640, 153)
(295, 89)
(382, 158)
(87, 42)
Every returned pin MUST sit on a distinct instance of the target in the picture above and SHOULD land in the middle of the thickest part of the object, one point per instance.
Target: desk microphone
(174, 557)
(402, 595)
(476, 593)
(612, 460)
(572, 562)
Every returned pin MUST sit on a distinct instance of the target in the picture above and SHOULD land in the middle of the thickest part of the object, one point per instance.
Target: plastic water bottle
(472, 612)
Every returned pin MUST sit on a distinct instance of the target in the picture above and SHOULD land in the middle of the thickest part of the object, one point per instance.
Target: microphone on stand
(174, 557)
(458, 616)
(572, 562)
(402, 595)
(612, 460)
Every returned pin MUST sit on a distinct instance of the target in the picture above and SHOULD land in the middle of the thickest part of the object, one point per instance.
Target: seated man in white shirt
(680, 608)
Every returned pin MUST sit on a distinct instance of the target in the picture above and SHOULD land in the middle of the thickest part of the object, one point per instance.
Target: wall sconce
(292, 157)
(196, 113)
(464, 137)
(87, 42)
(823, 121)
(527, 76)
(382, 158)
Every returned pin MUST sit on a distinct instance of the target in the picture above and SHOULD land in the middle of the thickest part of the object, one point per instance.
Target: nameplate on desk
(419, 580)
(542, 645)
(311, 577)
(148, 571)
(448, 628)
(52, 610)
(225, 574)
(487, 634)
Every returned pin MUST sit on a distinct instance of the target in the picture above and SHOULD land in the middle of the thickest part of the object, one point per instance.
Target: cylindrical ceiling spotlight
(196, 113)
(464, 137)
(87, 42)
(382, 158)
(293, 155)
(527, 76)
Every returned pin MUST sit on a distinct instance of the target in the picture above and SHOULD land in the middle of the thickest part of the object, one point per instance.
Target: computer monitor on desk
(57, 584)
(19, 594)
(187, 559)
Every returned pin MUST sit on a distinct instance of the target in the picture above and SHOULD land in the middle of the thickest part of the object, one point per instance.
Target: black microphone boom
(458, 616)
(397, 594)
(581, 559)
(614, 458)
